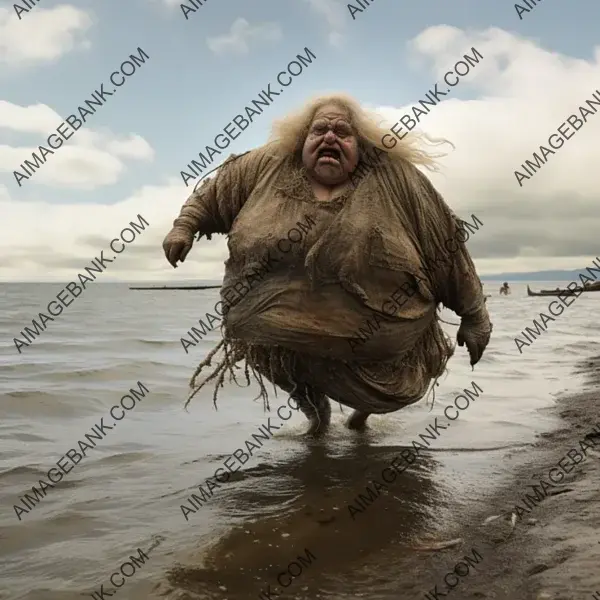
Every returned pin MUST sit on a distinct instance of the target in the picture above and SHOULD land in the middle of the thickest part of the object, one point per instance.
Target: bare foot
(317, 409)
(317, 427)
(358, 420)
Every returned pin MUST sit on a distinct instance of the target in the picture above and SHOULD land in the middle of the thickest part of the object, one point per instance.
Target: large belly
(327, 322)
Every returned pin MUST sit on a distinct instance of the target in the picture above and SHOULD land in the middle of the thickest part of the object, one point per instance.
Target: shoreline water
(550, 551)
(292, 494)
(553, 553)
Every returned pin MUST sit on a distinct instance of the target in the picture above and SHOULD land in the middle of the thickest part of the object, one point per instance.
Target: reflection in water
(304, 502)
(134, 486)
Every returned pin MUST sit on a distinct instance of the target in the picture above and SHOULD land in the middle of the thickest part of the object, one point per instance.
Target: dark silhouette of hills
(564, 275)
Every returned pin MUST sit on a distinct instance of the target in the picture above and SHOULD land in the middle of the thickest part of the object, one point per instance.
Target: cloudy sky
(202, 71)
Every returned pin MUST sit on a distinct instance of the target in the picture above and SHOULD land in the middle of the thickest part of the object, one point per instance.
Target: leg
(316, 408)
(358, 420)
(280, 368)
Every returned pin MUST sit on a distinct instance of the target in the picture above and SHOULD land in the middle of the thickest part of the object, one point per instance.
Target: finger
(483, 344)
(169, 253)
(167, 249)
(472, 349)
(174, 253)
(460, 339)
(477, 354)
(185, 252)
(482, 348)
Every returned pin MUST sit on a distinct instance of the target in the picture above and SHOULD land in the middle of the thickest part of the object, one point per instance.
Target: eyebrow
(331, 116)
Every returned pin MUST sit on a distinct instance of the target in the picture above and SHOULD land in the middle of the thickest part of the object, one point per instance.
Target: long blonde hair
(288, 134)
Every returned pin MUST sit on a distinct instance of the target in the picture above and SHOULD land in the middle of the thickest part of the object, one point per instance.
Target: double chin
(330, 176)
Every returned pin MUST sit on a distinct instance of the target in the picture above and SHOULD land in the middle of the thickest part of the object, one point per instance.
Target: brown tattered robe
(300, 324)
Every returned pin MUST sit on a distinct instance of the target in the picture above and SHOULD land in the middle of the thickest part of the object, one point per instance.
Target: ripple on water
(124, 457)
(19, 470)
(99, 352)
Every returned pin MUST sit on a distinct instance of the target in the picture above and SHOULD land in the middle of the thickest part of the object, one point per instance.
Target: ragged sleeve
(452, 273)
(213, 207)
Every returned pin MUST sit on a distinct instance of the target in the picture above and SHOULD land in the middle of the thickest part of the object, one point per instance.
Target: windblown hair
(289, 133)
(262, 362)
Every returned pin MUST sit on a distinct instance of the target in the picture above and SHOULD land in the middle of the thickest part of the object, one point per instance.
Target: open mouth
(330, 154)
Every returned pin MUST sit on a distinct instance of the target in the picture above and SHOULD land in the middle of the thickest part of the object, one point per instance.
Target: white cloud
(42, 35)
(56, 241)
(36, 118)
(523, 94)
(335, 15)
(133, 147)
(87, 160)
(242, 35)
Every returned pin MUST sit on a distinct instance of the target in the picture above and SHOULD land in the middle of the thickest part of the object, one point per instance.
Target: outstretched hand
(475, 334)
(177, 245)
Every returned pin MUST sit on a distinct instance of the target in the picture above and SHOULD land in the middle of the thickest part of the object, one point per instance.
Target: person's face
(330, 151)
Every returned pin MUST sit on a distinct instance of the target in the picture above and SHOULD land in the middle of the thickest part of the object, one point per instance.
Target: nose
(330, 137)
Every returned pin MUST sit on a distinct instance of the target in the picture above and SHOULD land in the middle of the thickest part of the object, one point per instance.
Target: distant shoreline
(511, 278)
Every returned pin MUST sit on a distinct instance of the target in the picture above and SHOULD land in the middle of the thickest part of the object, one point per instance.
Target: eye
(319, 127)
(343, 129)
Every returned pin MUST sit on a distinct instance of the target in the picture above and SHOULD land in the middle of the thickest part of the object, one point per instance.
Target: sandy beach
(553, 550)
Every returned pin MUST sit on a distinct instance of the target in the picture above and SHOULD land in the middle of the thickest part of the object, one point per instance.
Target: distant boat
(550, 292)
(189, 287)
(589, 288)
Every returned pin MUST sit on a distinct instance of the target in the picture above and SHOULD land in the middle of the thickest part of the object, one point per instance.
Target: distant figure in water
(340, 252)
(505, 289)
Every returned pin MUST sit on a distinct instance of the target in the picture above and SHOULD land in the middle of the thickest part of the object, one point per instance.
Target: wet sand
(553, 551)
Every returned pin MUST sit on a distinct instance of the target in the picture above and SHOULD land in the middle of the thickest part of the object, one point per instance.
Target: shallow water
(290, 496)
